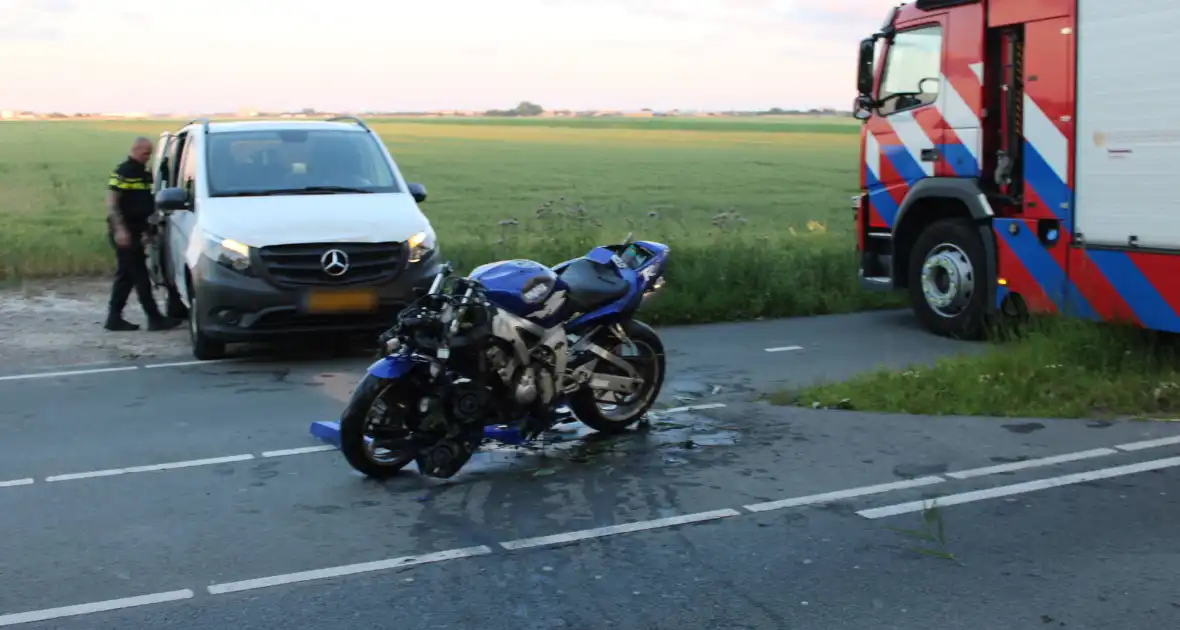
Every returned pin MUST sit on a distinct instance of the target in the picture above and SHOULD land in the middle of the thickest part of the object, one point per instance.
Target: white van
(278, 228)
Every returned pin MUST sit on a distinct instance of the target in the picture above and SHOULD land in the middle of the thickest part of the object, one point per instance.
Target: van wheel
(948, 279)
(204, 348)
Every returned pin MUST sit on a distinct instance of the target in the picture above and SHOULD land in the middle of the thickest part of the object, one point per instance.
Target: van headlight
(421, 246)
(228, 253)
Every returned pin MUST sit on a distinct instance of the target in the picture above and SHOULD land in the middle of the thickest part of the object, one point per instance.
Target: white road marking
(483, 550)
(95, 607)
(844, 494)
(299, 451)
(24, 377)
(785, 349)
(121, 368)
(599, 532)
(351, 569)
(150, 468)
(1031, 463)
(1146, 444)
(155, 366)
(16, 482)
(691, 408)
(1021, 488)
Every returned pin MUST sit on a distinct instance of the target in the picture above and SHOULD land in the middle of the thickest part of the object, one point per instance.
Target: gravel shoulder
(49, 323)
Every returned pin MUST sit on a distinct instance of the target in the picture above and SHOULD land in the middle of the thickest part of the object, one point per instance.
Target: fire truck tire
(948, 279)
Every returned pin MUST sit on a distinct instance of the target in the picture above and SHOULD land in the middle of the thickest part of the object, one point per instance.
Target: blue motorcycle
(503, 353)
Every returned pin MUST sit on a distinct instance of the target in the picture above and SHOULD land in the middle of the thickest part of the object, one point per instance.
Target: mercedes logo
(335, 263)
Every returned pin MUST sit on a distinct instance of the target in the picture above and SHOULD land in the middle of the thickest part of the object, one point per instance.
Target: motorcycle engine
(530, 385)
(457, 429)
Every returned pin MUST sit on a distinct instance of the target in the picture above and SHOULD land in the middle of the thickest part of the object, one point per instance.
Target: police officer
(129, 207)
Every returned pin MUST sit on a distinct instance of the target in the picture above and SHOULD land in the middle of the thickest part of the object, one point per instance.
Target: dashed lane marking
(350, 569)
(1146, 444)
(625, 528)
(94, 607)
(1020, 488)
(1031, 463)
(23, 377)
(647, 525)
(107, 370)
(840, 495)
(299, 451)
(212, 461)
(690, 408)
(150, 468)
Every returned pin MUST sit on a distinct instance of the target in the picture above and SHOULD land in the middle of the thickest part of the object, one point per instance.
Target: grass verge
(724, 272)
(1055, 369)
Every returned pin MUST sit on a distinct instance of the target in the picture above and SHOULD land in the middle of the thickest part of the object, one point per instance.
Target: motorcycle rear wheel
(648, 361)
(376, 401)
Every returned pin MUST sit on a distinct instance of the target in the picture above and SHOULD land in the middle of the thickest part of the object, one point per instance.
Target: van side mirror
(171, 199)
(864, 66)
(418, 191)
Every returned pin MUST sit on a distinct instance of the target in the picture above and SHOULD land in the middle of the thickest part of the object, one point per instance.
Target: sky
(412, 55)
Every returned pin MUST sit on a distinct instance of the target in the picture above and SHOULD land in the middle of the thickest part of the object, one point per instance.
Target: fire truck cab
(1019, 156)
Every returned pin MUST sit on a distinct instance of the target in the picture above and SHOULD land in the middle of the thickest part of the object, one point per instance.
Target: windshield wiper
(306, 190)
(312, 190)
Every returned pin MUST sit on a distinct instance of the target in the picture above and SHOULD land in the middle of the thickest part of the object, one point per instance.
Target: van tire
(204, 348)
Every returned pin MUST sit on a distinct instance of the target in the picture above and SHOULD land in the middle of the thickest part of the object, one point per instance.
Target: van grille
(300, 265)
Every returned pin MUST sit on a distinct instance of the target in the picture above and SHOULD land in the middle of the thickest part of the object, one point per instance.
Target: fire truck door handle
(929, 155)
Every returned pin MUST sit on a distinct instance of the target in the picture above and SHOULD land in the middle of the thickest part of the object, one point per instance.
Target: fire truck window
(912, 70)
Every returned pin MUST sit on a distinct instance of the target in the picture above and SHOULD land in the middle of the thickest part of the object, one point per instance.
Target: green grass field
(756, 209)
(1053, 369)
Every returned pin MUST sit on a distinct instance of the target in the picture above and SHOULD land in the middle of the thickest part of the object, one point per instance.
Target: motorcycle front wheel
(611, 412)
(373, 435)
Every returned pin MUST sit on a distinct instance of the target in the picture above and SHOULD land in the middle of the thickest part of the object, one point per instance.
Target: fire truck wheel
(947, 283)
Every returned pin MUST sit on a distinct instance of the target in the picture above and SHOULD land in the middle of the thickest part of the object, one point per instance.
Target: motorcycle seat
(592, 284)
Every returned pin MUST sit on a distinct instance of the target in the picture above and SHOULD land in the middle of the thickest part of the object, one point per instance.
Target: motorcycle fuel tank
(522, 287)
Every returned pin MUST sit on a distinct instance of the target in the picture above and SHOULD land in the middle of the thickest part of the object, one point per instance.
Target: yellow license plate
(340, 301)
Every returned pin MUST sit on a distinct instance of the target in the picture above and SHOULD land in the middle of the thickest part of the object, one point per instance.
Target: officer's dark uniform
(133, 182)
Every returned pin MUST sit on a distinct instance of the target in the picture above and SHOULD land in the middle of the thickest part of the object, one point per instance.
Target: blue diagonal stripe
(1136, 290)
(880, 198)
(904, 163)
(1052, 191)
(1044, 270)
(959, 158)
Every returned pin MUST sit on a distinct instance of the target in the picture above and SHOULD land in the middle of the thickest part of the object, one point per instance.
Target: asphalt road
(241, 532)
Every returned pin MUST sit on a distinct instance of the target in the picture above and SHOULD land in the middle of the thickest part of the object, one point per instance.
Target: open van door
(161, 174)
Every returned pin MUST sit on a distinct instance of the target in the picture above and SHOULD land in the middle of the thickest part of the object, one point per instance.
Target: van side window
(913, 70)
(186, 174)
(166, 170)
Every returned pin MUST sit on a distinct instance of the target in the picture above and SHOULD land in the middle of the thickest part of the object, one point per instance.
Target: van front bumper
(238, 307)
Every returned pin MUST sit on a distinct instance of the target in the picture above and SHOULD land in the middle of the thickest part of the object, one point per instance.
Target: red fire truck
(1019, 156)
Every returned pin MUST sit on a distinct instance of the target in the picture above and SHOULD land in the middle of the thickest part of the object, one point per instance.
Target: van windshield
(290, 162)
